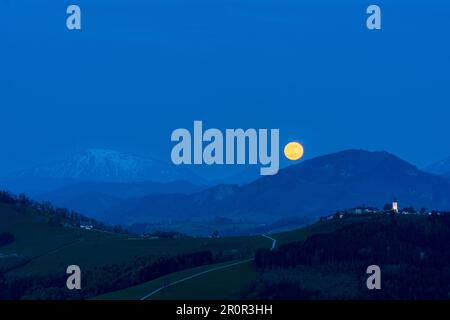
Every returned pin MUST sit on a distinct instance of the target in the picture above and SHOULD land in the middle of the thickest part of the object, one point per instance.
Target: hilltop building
(395, 206)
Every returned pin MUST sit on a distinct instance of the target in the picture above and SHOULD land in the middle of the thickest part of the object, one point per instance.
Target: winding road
(274, 242)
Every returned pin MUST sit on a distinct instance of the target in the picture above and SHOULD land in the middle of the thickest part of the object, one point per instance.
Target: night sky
(139, 69)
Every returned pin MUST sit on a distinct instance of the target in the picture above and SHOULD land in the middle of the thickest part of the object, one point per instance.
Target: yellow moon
(293, 151)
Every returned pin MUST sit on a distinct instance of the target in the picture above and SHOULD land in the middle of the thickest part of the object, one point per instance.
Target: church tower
(395, 206)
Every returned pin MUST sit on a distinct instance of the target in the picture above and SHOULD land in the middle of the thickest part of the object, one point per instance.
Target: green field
(214, 285)
(229, 283)
(52, 248)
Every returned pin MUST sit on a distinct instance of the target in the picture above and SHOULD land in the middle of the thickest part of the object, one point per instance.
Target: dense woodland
(6, 238)
(412, 252)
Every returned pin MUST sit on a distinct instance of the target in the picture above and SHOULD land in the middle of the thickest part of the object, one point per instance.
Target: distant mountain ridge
(95, 166)
(311, 188)
(94, 198)
(106, 166)
(441, 167)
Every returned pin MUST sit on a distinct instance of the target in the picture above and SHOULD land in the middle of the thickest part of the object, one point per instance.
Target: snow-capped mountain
(441, 167)
(103, 165)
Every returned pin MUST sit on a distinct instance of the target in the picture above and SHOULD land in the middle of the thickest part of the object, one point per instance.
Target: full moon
(293, 151)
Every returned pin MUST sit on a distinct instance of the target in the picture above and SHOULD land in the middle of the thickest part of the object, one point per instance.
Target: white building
(395, 206)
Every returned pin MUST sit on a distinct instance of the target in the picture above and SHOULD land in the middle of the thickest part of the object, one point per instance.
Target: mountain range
(107, 165)
(95, 165)
(122, 188)
(95, 198)
(312, 188)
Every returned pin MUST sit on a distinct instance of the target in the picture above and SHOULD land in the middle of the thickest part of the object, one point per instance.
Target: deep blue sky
(141, 68)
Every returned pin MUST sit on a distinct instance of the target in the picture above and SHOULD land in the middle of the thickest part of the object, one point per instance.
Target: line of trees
(99, 280)
(6, 238)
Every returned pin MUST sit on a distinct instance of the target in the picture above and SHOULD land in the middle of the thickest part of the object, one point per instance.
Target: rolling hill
(326, 260)
(33, 265)
(322, 260)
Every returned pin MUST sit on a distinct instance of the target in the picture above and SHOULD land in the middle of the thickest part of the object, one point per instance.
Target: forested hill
(411, 250)
(53, 215)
